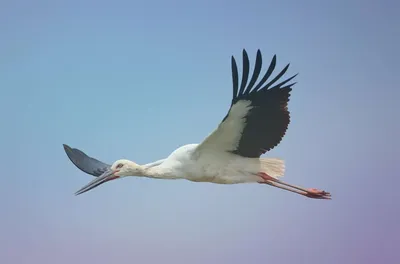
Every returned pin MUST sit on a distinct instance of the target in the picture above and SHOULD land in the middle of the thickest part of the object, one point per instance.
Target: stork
(256, 122)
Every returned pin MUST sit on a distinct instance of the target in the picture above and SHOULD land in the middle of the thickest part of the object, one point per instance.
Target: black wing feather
(269, 117)
(245, 71)
(267, 74)
(84, 162)
(235, 78)
(276, 77)
(279, 85)
(256, 73)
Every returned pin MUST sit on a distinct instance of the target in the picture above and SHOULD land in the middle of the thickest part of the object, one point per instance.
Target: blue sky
(138, 79)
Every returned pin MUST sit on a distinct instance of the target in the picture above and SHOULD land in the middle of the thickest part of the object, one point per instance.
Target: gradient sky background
(138, 79)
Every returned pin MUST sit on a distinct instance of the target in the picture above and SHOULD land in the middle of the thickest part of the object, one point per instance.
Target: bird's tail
(273, 167)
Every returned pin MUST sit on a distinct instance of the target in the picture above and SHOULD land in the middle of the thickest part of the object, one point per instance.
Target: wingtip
(273, 61)
(66, 147)
(69, 151)
(233, 60)
(289, 85)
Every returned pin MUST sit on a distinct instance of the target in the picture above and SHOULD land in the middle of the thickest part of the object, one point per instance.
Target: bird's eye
(120, 165)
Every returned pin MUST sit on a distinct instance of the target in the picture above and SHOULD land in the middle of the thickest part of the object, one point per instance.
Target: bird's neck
(158, 172)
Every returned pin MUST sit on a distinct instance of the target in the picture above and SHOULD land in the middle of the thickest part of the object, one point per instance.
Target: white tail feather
(273, 167)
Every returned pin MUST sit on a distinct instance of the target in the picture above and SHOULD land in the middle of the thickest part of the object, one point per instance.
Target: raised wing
(258, 117)
(84, 162)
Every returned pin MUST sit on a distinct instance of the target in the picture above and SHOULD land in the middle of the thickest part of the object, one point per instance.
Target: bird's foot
(317, 194)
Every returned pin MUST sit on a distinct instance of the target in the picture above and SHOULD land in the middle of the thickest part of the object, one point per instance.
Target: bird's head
(121, 168)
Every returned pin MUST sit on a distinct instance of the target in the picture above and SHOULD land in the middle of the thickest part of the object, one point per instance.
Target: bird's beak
(105, 177)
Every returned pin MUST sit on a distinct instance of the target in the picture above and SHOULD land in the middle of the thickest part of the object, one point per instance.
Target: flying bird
(255, 123)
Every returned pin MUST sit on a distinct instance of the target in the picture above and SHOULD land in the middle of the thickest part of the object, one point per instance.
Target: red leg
(311, 193)
(283, 187)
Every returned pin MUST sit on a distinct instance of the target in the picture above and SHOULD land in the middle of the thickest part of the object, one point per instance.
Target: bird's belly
(224, 179)
(201, 177)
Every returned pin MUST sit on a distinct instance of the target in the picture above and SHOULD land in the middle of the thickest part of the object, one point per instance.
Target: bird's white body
(215, 166)
(213, 161)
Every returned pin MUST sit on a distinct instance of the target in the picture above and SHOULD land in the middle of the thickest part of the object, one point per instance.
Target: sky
(137, 79)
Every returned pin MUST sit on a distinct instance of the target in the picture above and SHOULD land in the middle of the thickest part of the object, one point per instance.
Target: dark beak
(105, 177)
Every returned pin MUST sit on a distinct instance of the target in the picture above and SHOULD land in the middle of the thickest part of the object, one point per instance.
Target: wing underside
(93, 166)
(84, 162)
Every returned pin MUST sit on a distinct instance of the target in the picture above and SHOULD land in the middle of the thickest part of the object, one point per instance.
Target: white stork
(255, 123)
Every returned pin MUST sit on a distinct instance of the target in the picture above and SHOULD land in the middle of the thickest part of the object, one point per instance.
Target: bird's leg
(283, 187)
(307, 194)
(312, 193)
